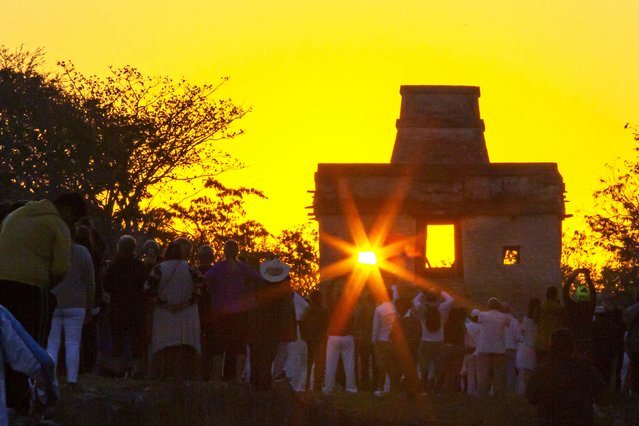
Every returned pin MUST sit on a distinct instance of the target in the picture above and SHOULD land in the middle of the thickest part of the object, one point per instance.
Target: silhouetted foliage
(157, 132)
(45, 141)
(122, 140)
(119, 139)
(215, 218)
(298, 248)
(615, 225)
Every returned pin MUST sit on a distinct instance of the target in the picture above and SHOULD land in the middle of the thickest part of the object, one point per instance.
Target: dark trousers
(365, 369)
(386, 363)
(125, 326)
(317, 357)
(263, 353)
(33, 308)
(230, 333)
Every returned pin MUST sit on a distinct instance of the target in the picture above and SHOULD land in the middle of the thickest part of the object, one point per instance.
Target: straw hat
(274, 271)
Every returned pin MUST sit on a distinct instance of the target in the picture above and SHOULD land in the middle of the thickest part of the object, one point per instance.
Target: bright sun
(367, 258)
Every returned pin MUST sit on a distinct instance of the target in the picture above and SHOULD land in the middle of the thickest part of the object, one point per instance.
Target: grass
(100, 401)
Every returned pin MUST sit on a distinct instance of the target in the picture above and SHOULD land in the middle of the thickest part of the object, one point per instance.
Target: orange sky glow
(558, 79)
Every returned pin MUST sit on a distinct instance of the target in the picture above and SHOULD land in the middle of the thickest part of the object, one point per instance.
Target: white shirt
(528, 332)
(492, 332)
(444, 309)
(512, 335)
(472, 335)
(383, 319)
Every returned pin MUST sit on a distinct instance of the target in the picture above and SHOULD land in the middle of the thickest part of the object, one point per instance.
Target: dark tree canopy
(140, 148)
(46, 144)
(615, 223)
(119, 139)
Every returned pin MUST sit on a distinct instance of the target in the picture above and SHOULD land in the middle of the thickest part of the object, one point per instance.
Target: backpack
(432, 318)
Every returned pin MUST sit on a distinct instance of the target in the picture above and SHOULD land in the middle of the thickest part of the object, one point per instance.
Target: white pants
(70, 322)
(337, 346)
(295, 366)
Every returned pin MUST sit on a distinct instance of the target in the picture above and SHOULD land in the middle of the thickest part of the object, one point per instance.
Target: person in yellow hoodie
(552, 316)
(35, 255)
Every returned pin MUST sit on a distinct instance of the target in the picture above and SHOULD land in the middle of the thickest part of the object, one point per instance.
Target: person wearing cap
(229, 283)
(273, 324)
(277, 273)
(491, 349)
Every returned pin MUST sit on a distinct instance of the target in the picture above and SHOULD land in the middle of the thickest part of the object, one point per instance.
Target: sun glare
(367, 258)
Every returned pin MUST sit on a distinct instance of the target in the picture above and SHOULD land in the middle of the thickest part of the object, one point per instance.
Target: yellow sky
(558, 78)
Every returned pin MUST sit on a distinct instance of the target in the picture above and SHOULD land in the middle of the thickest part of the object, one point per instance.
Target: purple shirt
(230, 289)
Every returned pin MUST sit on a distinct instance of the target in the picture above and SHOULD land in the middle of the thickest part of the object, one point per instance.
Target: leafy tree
(156, 133)
(615, 223)
(45, 142)
(298, 248)
(124, 139)
(215, 218)
(121, 139)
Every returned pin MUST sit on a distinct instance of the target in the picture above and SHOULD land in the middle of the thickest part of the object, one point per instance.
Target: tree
(140, 148)
(45, 142)
(215, 218)
(298, 248)
(615, 223)
(121, 140)
(155, 133)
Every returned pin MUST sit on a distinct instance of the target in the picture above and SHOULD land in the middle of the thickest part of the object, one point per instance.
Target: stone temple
(504, 219)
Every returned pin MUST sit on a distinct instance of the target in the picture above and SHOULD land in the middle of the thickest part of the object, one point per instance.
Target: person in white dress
(526, 361)
(174, 286)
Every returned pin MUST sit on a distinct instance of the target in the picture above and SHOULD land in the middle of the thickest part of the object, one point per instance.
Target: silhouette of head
(185, 247)
(205, 255)
(72, 207)
(231, 249)
(494, 303)
(126, 246)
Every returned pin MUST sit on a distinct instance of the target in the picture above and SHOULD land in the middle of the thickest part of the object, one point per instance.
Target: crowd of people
(150, 312)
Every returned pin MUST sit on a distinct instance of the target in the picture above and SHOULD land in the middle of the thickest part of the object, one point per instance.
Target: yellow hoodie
(35, 244)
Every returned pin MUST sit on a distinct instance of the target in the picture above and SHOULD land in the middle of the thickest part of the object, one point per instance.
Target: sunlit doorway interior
(440, 246)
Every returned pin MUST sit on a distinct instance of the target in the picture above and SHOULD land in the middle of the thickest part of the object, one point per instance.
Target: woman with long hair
(526, 359)
(74, 296)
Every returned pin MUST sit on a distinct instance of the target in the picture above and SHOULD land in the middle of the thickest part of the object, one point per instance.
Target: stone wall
(485, 275)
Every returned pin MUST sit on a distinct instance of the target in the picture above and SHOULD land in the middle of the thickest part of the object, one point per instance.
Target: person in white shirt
(512, 336)
(491, 349)
(471, 338)
(384, 319)
(526, 361)
(432, 314)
